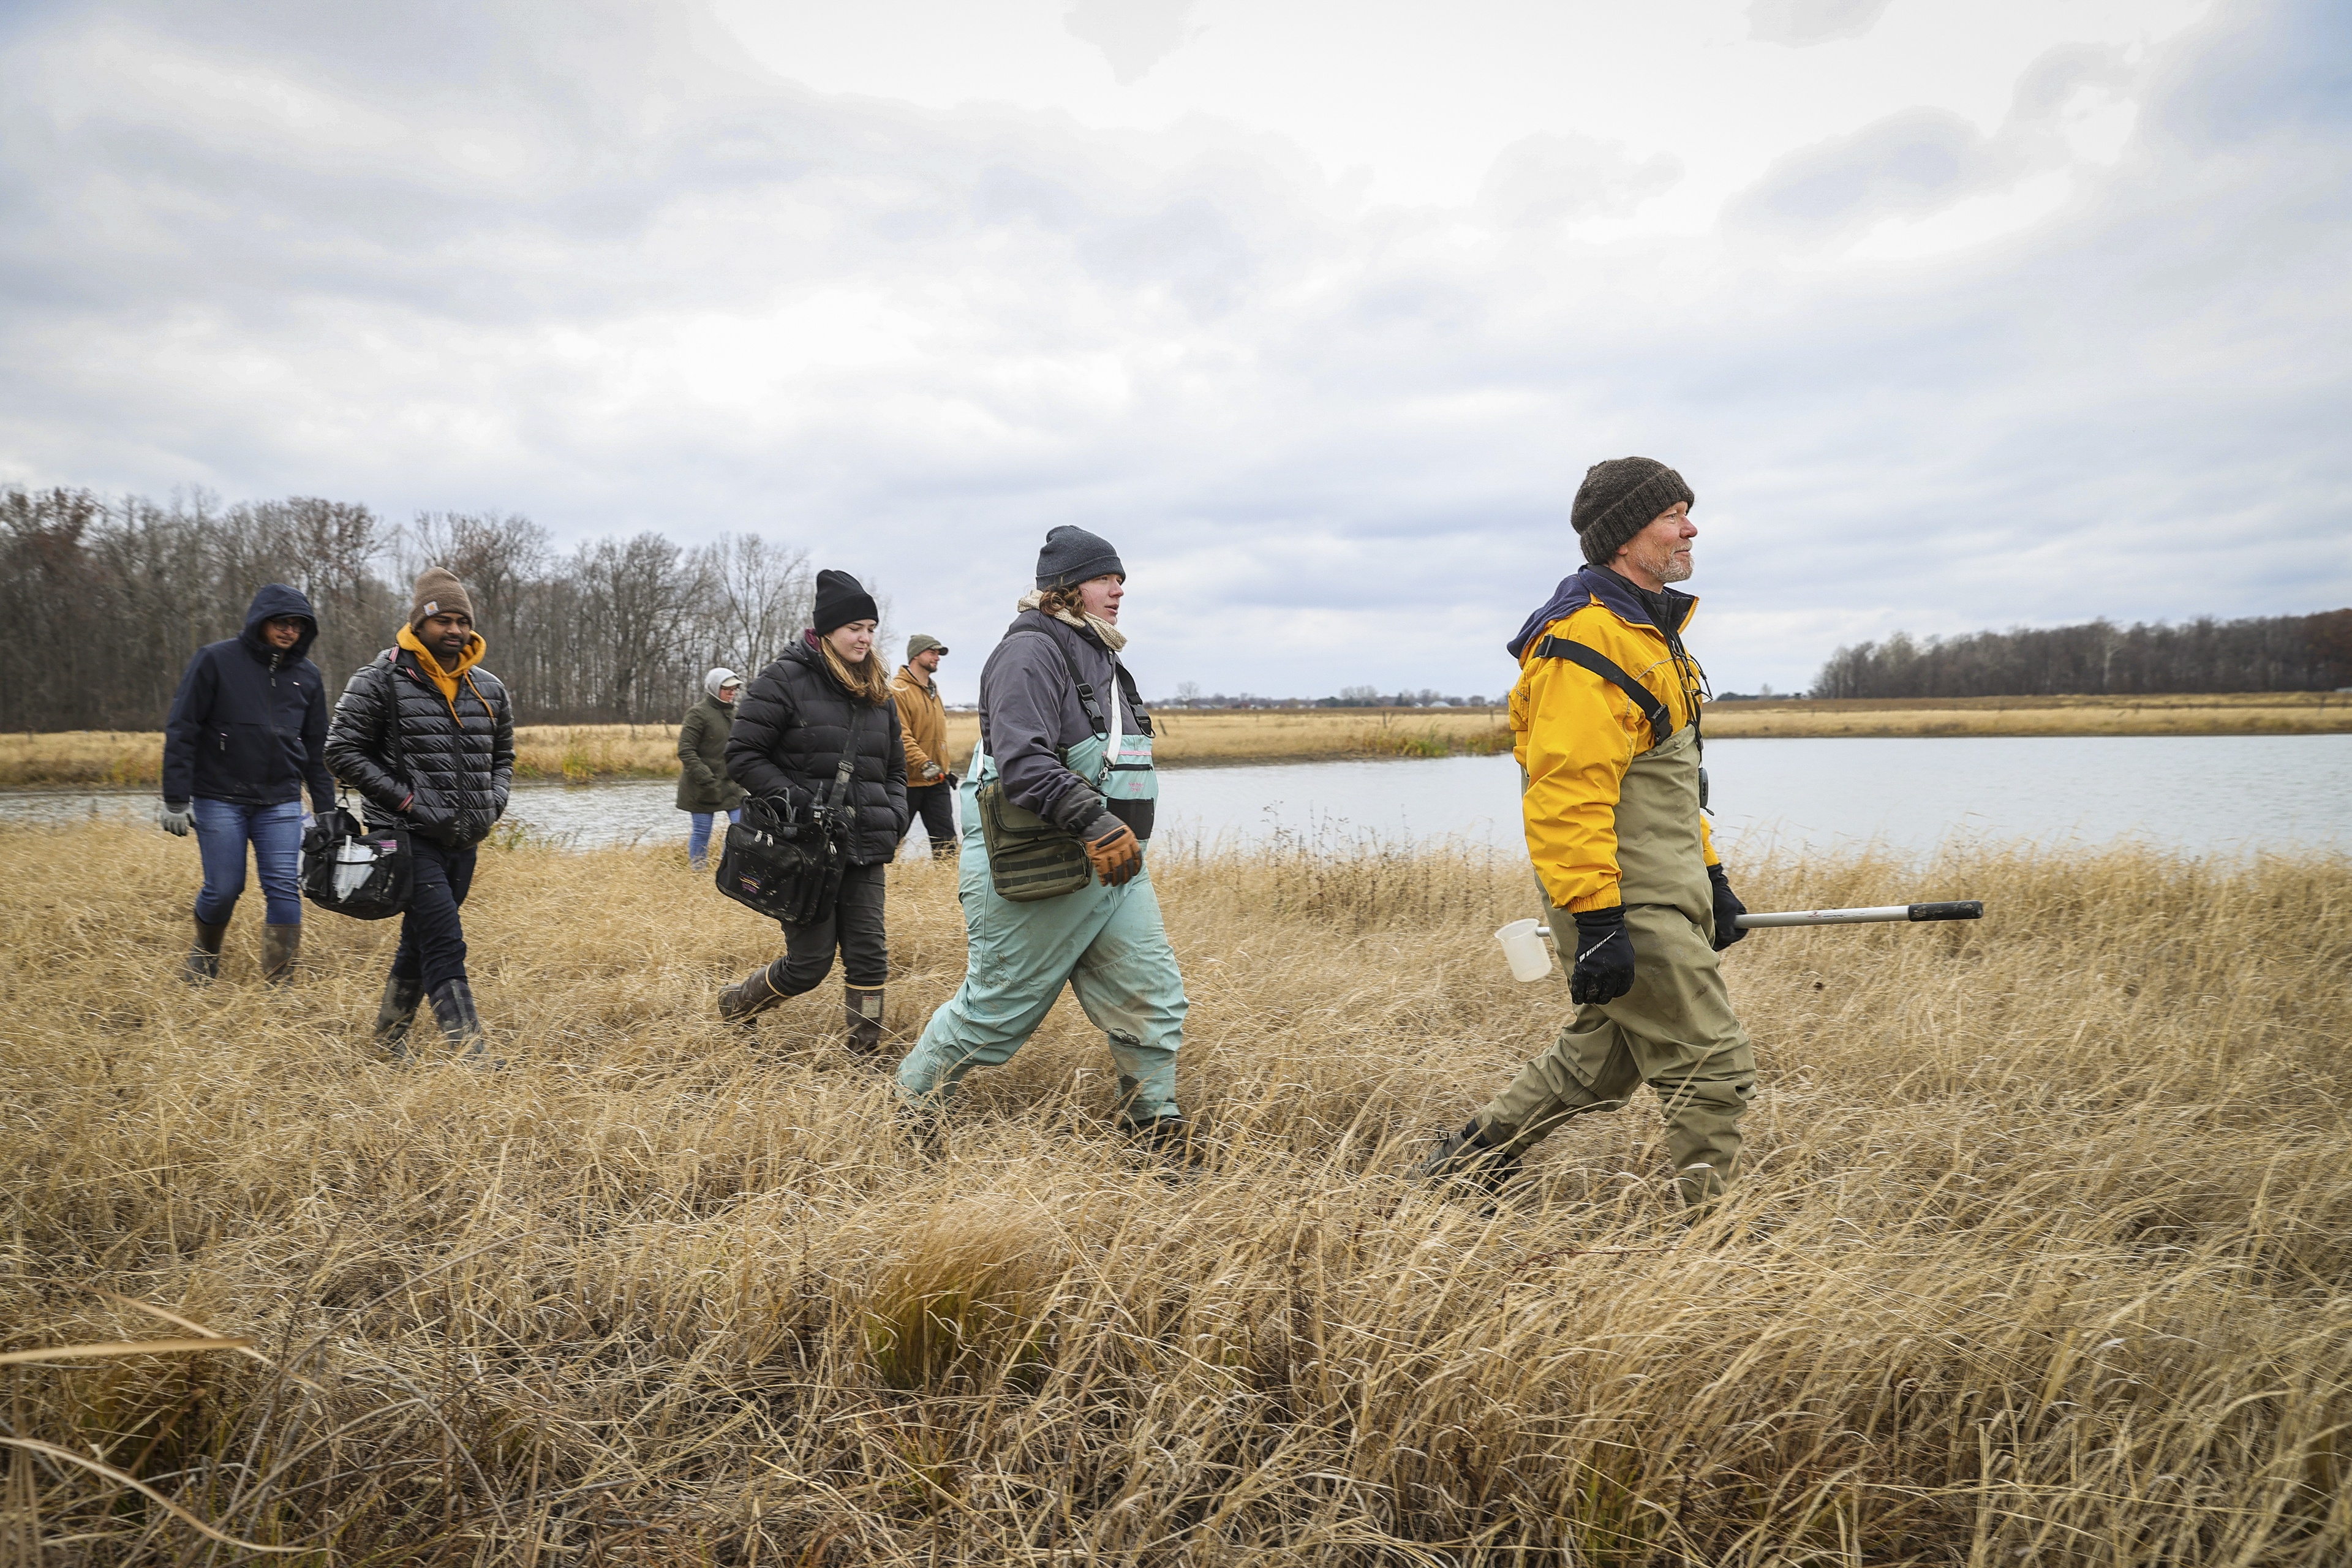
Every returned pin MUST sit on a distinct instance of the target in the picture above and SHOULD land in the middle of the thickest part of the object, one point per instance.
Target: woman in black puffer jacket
(828, 696)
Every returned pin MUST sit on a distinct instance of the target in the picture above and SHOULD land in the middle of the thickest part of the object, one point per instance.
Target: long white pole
(1963, 909)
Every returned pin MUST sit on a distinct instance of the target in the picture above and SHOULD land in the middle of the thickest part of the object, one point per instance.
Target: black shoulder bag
(351, 868)
(786, 866)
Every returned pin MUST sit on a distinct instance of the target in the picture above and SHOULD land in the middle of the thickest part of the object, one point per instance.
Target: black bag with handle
(354, 869)
(786, 864)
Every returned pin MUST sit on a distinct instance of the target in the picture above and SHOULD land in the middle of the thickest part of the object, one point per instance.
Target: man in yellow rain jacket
(1606, 719)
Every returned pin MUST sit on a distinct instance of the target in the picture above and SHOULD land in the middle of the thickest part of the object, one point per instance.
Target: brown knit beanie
(1618, 499)
(438, 593)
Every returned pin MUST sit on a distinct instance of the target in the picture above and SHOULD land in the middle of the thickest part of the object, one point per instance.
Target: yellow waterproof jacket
(1576, 734)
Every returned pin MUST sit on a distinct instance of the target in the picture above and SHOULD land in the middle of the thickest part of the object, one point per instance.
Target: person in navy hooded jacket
(248, 731)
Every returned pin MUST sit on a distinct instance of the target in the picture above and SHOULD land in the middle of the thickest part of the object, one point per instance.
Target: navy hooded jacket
(248, 724)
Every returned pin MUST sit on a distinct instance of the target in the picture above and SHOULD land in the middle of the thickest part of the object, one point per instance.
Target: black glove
(1727, 909)
(1604, 966)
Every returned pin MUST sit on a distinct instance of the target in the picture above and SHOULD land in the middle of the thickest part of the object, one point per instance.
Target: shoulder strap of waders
(1085, 692)
(1608, 669)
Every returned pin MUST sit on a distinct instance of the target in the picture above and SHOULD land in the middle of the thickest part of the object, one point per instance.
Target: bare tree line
(2269, 653)
(113, 596)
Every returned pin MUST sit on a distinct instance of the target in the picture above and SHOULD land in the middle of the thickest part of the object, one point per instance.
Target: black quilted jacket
(458, 764)
(790, 724)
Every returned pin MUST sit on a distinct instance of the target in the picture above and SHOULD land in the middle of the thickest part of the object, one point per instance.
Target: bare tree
(758, 595)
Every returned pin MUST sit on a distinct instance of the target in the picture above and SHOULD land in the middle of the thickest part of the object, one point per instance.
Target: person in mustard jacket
(1605, 720)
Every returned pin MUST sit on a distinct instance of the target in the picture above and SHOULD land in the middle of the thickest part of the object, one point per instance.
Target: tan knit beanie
(438, 593)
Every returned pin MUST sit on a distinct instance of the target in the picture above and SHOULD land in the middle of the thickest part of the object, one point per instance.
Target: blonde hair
(864, 678)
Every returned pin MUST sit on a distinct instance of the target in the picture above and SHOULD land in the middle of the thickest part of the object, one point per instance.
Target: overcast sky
(1954, 314)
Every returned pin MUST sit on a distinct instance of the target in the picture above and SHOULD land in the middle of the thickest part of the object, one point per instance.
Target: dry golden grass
(2248, 714)
(582, 753)
(2045, 1255)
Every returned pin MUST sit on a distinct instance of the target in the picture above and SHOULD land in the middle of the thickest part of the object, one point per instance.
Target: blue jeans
(698, 838)
(223, 830)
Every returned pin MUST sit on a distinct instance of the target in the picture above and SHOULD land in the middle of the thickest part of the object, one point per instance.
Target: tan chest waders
(1029, 859)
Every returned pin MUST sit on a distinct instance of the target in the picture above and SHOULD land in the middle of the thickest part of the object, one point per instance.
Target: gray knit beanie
(1072, 556)
(1618, 499)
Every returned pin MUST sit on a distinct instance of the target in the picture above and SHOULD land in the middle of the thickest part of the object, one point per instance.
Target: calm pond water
(2199, 794)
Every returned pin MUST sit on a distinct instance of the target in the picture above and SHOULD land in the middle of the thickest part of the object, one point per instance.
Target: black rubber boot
(1468, 1159)
(453, 1009)
(394, 1014)
(864, 1008)
(280, 946)
(749, 998)
(1169, 1137)
(202, 965)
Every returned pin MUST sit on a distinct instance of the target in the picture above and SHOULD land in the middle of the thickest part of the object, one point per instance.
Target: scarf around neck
(1112, 637)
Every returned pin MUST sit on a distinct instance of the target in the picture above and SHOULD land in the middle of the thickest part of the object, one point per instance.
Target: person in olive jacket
(246, 731)
(703, 786)
(828, 697)
(427, 736)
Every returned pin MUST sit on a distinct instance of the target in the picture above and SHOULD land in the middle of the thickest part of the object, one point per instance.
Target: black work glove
(1604, 966)
(1727, 909)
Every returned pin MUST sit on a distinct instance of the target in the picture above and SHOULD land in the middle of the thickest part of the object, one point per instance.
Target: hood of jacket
(270, 601)
(1591, 583)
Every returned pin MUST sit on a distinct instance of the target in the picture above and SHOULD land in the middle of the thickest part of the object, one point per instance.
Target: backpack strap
(1608, 669)
(848, 761)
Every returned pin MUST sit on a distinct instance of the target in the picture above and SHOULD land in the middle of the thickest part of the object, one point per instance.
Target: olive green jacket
(702, 781)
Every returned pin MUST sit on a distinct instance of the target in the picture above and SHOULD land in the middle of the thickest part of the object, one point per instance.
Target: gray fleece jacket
(1029, 713)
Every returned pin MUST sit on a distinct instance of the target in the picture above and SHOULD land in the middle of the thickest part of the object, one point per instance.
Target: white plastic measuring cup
(1523, 944)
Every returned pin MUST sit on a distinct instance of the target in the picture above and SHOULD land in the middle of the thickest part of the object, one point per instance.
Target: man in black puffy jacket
(427, 736)
(246, 730)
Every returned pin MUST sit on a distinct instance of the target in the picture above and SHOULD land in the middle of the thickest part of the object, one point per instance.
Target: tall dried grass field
(2044, 1254)
(583, 753)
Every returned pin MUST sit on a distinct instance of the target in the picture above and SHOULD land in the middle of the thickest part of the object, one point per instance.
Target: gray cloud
(1798, 23)
(619, 278)
(1133, 34)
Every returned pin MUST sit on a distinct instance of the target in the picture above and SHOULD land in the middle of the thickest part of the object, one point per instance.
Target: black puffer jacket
(790, 724)
(457, 759)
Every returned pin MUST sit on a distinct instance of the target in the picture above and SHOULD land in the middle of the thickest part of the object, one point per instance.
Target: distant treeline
(105, 600)
(2269, 653)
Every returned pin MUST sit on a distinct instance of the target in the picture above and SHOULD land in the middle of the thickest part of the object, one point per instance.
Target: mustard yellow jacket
(1576, 734)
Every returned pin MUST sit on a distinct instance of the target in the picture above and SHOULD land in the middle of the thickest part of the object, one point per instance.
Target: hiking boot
(202, 966)
(394, 1014)
(1170, 1135)
(924, 1126)
(453, 1009)
(864, 1008)
(1468, 1159)
(749, 998)
(281, 946)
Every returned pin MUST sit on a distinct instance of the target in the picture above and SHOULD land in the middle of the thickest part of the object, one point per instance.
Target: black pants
(853, 927)
(432, 941)
(935, 804)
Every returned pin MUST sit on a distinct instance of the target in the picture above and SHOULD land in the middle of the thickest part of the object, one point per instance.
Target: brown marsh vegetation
(583, 753)
(2046, 1254)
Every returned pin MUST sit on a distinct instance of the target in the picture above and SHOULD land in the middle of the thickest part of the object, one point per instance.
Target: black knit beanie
(1618, 499)
(1072, 556)
(841, 599)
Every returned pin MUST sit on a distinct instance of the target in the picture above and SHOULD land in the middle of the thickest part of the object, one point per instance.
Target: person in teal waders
(1057, 806)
